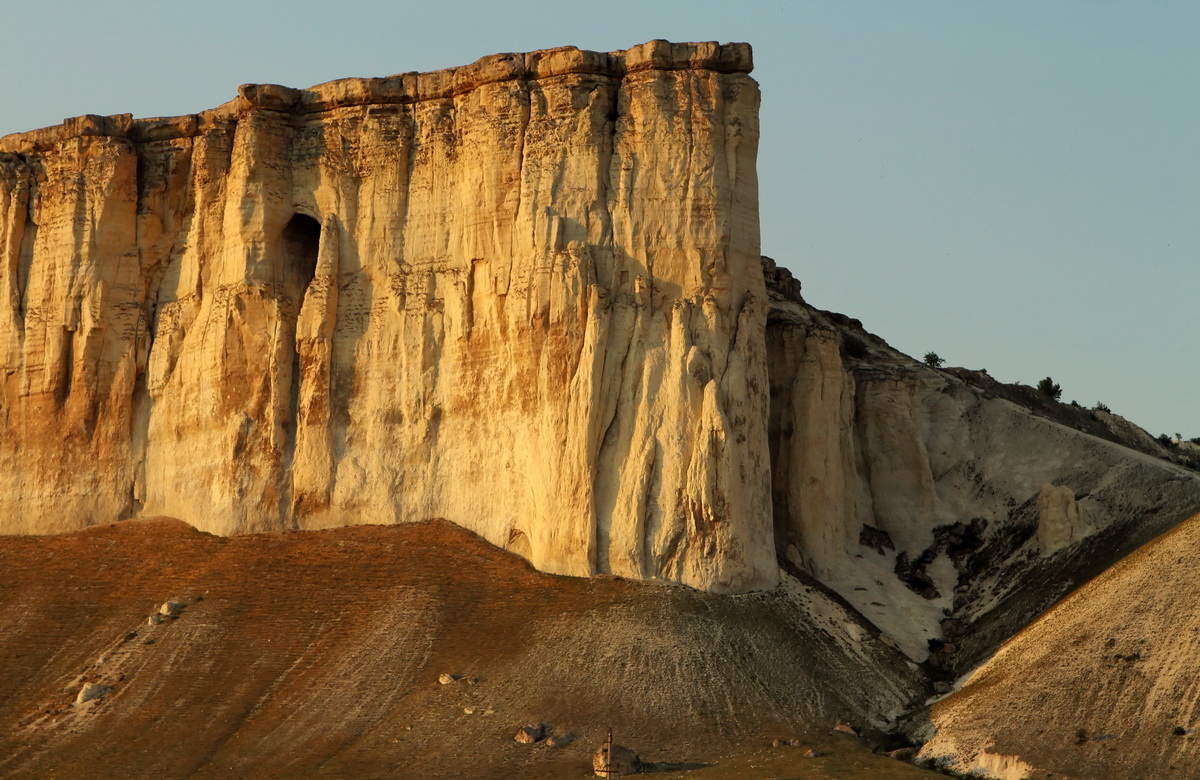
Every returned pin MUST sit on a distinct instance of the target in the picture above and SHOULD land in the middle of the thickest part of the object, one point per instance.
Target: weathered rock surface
(1060, 520)
(613, 760)
(529, 733)
(917, 493)
(91, 691)
(523, 295)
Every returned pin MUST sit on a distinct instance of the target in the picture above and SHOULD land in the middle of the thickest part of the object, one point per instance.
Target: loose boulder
(621, 762)
(91, 691)
(1060, 520)
(787, 743)
(530, 733)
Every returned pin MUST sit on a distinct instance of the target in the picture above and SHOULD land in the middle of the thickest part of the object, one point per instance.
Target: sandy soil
(1104, 685)
(318, 654)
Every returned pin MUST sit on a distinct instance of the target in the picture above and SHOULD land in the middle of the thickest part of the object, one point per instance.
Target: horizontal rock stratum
(523, 295)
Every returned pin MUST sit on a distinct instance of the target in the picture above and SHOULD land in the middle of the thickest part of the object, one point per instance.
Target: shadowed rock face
(944, 513)
(523, 295)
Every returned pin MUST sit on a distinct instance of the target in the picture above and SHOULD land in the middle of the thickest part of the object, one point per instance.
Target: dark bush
(1049, 388)
(933, 360)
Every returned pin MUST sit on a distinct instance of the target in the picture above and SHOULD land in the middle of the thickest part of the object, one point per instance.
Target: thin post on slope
(608, 770)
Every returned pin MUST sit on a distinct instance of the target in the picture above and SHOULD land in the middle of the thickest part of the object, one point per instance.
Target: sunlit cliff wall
(523, 295)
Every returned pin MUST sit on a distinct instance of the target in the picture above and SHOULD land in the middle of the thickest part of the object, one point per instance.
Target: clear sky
(1012, 184)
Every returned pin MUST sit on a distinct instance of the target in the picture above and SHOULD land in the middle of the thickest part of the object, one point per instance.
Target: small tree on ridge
(1049, 388)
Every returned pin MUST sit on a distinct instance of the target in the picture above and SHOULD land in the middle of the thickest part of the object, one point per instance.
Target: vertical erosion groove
(25, 261)
(301, 240)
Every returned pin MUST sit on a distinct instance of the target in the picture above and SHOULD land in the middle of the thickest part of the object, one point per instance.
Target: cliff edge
(523, 295)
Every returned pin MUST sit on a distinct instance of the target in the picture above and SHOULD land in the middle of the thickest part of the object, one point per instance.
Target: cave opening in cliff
(25, 261)
(302, 238)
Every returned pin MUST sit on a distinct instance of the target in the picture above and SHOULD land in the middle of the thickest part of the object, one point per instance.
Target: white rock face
(523, 295)
(91, 691)
(1059, 520)
(889, 476)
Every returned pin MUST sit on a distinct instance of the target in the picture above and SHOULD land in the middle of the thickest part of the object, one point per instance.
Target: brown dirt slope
(1097, 687)
(317, 655)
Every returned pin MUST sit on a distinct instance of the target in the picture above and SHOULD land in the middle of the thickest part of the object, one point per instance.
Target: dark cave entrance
(301, 244)
(301, 239)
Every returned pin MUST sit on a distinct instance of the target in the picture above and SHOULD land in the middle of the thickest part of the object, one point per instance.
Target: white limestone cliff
(523, 295)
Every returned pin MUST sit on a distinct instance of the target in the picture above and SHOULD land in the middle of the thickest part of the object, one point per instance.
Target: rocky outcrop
(526, 296)
(945, 514)
(523, 295)
(613, 759)
(1060, 521)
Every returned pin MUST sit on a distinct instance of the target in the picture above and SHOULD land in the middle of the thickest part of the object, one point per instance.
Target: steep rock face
(526, 296)
(523, 295)
(947, 516)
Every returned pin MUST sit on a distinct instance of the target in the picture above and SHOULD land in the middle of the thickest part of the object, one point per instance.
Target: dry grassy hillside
(1105, 685)
(318, 655)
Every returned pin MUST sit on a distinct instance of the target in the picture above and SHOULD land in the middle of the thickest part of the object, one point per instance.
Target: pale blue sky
(1013, 184)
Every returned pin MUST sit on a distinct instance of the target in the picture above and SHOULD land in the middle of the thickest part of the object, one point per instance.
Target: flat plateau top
(399, 89)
